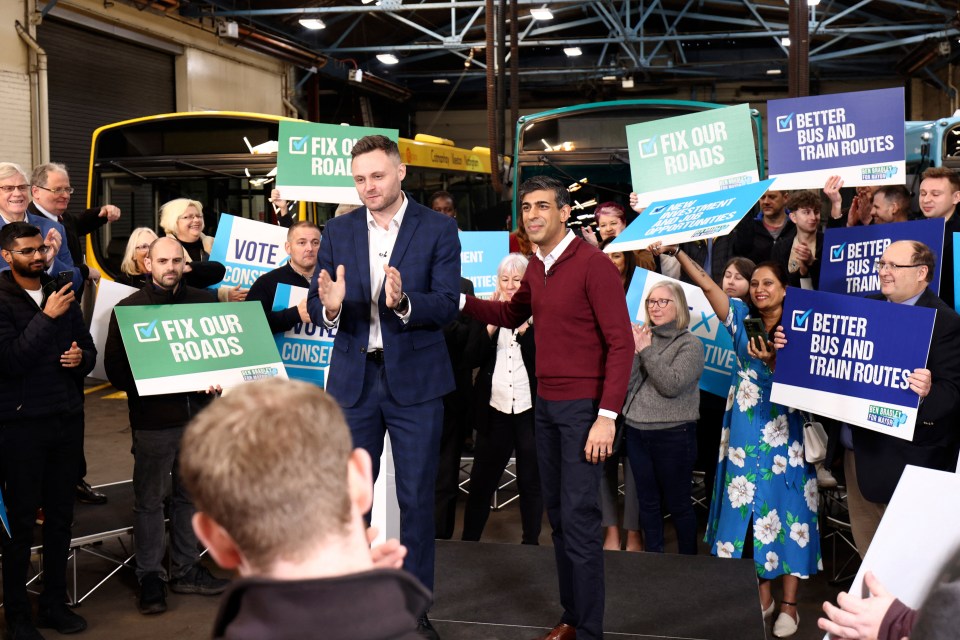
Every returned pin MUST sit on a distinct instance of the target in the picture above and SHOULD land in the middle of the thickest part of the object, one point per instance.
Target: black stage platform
(509, 592)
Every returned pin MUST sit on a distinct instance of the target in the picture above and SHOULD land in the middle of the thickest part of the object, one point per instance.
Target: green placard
(179, 348)
(692, 154)
(313, 160)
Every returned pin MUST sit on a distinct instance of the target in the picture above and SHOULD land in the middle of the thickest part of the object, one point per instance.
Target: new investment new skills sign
(189, 347)
(841, 359)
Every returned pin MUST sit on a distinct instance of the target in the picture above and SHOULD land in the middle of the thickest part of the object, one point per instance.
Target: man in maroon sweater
(584, 354)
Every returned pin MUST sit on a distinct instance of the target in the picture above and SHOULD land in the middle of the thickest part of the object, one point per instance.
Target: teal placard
(692, 154)
(190, 347)
(313, 160)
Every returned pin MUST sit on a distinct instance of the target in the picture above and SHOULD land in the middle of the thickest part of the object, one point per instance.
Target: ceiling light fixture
(785, 41)
(541, 14)
(313, 24)
(440, 81)
(773, 72)
(388, 58)
(573, 52)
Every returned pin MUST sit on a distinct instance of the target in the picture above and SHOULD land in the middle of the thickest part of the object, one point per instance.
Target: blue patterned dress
(762, 474)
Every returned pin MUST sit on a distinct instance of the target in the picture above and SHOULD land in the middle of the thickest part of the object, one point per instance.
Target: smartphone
(755, 330)
(63, 279)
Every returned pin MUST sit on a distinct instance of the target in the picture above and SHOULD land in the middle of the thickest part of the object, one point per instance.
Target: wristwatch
(404, 305)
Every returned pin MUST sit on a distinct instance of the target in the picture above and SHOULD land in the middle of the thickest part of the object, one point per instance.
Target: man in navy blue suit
(388, 277)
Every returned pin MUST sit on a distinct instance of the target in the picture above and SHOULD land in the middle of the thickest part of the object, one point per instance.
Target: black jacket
(528, 351)
(781, 254)
(264, 290)
(381, 604)
(882, 458)
(33, 383)
(162, 411)
(752, 240)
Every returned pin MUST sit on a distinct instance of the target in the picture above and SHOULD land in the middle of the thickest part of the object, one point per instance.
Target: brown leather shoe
(560, 632)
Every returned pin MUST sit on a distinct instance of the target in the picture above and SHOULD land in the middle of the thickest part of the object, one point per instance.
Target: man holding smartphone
(45, 352)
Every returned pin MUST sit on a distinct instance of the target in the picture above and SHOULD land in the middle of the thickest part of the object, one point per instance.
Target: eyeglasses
(191, 216)
(9, 188)
(30, 251)
(143, 247)
(880, 265)
(60, 191)
(661, 303)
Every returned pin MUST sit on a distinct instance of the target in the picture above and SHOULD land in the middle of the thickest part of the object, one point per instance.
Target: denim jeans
(156, 467)
(662, 462)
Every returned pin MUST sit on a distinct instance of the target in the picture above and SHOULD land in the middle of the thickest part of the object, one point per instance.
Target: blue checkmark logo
(299, 145)
(785, 123)
(800, 319)
(147, 331)
(836, 253)
(648, 147)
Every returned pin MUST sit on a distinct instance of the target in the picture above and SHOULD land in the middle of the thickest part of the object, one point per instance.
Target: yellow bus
(225, 160)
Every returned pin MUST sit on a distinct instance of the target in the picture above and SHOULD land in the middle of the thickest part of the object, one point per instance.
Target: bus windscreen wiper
(120, 167)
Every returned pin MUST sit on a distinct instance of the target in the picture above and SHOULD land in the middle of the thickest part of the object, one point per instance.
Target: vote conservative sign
(850, 253)
(689, 218)
(841, 362)
(248, 249)
(719, 357)
(313, 160)
(694, 153)
(858, 136)
(180, 348)
(480, 255)
(306, 348)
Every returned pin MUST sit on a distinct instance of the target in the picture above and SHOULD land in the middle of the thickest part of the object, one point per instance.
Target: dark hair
(943, 172)
(13, 231)
(366, 144)
(896, 194)
(804, 200)
(629, 263)
(779, 272)
(441, 194)
(922, 254)
(744, 266)
(545, 183)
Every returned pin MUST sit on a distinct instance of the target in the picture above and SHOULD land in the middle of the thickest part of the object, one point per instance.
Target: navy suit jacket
(882, 458)
(427, 254)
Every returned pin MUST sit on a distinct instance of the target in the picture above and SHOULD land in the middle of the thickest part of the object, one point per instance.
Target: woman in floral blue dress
(762, 477)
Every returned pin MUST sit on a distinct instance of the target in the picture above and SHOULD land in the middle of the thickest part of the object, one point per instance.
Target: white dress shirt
(510, 392)
(380, 244)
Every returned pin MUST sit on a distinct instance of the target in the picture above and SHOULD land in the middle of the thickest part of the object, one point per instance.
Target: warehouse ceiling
(627, 48)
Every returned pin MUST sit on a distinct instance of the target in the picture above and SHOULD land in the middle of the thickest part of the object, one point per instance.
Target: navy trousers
(415, 438)
(571, 495)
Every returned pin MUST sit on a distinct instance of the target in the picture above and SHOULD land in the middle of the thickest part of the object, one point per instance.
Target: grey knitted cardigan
(663, 389)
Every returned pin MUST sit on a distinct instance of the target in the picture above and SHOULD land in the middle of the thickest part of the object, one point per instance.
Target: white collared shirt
(46, 213)
(558, 250)
(380, 243)
(510, 392)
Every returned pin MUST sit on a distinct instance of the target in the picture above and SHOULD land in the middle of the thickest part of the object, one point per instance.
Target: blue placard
(248, 249)
(858, 136)
(956, 268)
(3, 517)
(480, 255)
(841, 362)
(719, 357)
(306, 348)
(849, 254)
(696, 217)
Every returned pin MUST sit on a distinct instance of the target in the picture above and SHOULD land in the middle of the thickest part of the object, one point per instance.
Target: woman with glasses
(763, 483)
(661, 412)
(133, 272)
(183, 219)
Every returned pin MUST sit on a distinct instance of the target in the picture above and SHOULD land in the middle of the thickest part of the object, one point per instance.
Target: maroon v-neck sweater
(583, 336)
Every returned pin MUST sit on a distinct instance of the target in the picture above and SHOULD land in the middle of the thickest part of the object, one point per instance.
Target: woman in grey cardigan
(661, 412)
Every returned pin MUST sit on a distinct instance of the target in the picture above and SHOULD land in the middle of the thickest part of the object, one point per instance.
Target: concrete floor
(111, 611)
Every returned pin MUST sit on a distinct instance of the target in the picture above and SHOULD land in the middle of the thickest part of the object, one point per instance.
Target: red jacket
(583, 336)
